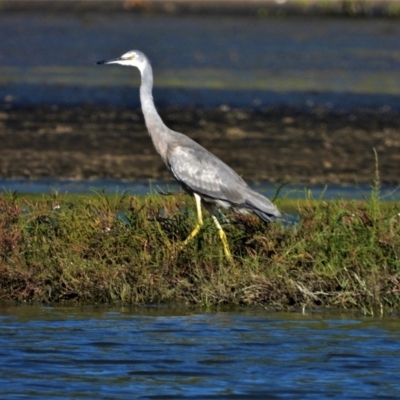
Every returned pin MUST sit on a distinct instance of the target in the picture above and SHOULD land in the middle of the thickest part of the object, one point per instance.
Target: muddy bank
(275, 145)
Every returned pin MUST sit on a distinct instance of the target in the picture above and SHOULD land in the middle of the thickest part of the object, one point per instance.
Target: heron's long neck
(156, 127)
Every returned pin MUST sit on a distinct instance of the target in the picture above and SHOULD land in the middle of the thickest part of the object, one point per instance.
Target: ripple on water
(158, 353)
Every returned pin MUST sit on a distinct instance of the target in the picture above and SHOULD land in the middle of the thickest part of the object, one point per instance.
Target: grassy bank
(106, 249)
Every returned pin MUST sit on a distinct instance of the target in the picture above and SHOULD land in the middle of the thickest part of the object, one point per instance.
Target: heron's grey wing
(203, 173)
(261, 205)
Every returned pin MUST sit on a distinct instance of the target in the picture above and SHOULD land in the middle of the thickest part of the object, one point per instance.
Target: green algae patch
(128, 249)
(290, 80)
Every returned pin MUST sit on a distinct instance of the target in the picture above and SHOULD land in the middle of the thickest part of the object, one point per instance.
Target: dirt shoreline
(276, 145)
(251, 8)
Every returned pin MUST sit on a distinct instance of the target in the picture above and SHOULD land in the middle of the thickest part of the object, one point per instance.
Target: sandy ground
(274, 145)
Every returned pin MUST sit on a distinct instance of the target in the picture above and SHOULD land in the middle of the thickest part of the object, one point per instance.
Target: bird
(199, 172)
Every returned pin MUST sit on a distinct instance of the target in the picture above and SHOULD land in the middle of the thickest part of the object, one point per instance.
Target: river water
(199, 61)
(52, 185)
(171, 353)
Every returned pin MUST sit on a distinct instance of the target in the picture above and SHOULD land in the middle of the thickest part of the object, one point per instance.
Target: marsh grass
(128, 249)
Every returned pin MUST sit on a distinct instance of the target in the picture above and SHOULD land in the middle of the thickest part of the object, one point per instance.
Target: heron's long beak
(112, 60)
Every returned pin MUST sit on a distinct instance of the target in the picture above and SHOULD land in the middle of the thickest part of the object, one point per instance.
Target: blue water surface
(62, 186)
(164, 353)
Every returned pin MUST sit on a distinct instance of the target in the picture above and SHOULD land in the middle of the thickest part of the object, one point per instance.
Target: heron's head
(133, 58)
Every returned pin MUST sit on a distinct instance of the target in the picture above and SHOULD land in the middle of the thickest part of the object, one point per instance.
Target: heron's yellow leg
(224, 241)
(196, 229)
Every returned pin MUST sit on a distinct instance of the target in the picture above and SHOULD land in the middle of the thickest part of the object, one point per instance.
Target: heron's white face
(132, 58)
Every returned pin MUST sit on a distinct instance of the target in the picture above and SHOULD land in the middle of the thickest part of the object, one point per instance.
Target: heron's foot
(222, 236)
(195, 231)
(224, 241)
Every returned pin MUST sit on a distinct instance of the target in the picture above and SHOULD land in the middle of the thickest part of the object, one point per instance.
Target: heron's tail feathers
(261, 206)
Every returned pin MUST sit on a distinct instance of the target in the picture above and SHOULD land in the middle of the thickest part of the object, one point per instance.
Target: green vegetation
(128, 249)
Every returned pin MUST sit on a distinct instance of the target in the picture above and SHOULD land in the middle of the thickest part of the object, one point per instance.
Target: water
(201, 61)
(171, 353)
(51, 185)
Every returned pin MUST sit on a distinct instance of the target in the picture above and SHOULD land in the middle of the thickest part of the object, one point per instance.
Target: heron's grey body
(200, 172)
(197, 170)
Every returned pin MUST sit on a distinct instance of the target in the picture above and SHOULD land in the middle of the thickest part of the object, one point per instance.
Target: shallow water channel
(175, 353)
(60, 186)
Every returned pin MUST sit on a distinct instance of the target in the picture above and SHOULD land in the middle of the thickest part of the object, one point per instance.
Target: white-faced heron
(197, 170)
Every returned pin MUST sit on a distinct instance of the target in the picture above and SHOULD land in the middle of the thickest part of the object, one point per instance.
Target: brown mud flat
(312, 147)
